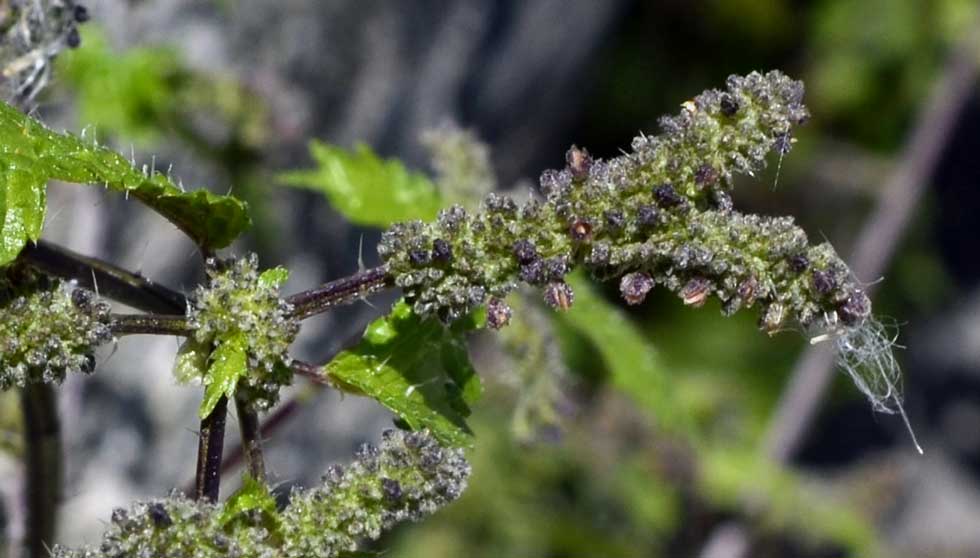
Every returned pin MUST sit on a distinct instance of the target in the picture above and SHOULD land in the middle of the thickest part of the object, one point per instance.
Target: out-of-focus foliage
(148, 94)
(366, 189)
(632, 363)
(132, 94)
(549, 500)
(739, 478)
(881, 66)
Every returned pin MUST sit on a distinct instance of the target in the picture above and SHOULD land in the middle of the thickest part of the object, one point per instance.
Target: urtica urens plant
(662, 215)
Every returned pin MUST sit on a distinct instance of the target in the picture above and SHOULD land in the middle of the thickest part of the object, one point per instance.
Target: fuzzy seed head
(47, 328)
(664, 210)
(237, 300)
(409, 477)
(635, 286)
(498, 313)
(559, 295)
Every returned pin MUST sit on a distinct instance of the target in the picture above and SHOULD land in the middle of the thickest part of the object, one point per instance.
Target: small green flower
(48, 328)
(239, 318)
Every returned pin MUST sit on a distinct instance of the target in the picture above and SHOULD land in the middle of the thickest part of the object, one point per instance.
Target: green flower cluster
(241, 307)
(47, 328)
(662, 214)
(408, 477)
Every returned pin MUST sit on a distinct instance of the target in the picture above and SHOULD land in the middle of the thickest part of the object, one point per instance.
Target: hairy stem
(42, 433)
(340, 291)
(209, 451)
(153, 324)
(248, 424)
(109, 280)
(313, 372)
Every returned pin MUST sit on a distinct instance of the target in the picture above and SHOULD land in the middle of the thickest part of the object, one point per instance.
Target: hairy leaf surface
(31, 154)
(418, 368)
(228, 363)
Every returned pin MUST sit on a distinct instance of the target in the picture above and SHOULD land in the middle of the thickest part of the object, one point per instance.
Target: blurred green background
(610, 431)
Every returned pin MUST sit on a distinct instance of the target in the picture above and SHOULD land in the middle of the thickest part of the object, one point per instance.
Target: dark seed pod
(525, 251)
(498, 313)
(695, 292)
(532, 273)
(647, 216)
(855, 309)
(442, 251)
(82, 299)
(80, 13)
(391, 489)
(614, 219)
(73, 39)
(728, 105)
(579, 162)
(559, 295)
(667, 196)
(823, 282)
(555, 269)
(799, 263)
(635, 286)
(600, 254)
(706, 175)
(419, 257)
(552, 183)
(159, 516)
(580, 230)
(747, 291)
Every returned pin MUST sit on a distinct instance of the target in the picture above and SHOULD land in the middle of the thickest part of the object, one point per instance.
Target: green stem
(42, 433)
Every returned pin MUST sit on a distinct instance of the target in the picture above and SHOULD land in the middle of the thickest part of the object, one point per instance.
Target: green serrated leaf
(253, 495)
(228, 363)
(22, 206)
(419, 369)
(274, 277)
(31, 154)
(366, 189)
(191, 363)
(634, 366)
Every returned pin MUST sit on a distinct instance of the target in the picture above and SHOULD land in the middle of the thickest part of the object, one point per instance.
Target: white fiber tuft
(865, 354)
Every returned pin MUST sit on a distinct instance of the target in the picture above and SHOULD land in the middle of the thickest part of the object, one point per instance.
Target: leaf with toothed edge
(228, 363)
(31, 155)
(417, 368)
(253, 496)
(366, 189)
(22, 205)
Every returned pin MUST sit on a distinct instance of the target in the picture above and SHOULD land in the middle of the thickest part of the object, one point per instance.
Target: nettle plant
(661, 215)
